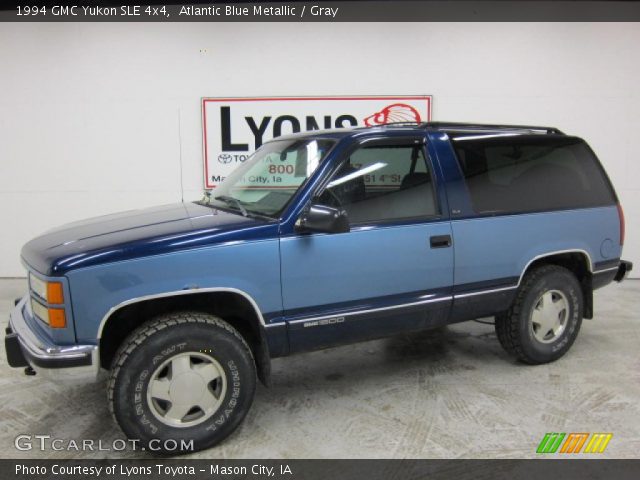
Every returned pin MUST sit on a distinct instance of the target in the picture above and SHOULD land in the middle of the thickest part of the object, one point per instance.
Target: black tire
(514, 327)
(155, 343)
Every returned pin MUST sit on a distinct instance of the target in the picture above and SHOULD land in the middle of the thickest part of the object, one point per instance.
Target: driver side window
(383, 182)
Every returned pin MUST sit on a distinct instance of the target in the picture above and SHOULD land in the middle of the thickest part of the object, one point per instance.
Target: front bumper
(623, 270)
(24, 347)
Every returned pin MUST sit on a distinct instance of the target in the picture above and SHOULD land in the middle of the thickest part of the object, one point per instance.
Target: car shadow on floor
(80, 411)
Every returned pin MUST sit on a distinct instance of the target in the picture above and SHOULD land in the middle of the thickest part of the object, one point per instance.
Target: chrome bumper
(44, 356)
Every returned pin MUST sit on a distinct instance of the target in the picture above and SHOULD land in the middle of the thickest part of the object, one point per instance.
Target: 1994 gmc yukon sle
(320, 239)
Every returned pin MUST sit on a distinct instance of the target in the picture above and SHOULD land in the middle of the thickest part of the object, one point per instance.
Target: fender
(261, 349)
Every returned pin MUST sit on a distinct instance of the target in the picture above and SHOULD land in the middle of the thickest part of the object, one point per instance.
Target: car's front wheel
(545, 317)
(182, 382)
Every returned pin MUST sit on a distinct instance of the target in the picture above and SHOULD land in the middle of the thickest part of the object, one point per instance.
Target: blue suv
(320, 239)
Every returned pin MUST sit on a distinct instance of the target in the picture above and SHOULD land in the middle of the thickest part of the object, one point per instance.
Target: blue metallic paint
(371, 262)
(368, 324)
(324, 273)
(135, 234)
(250, 266)
(114, 259)
(501, 246)
(456, 190)
(368, 304)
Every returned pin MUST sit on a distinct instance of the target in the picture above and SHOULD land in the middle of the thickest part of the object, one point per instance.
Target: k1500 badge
(323, 321)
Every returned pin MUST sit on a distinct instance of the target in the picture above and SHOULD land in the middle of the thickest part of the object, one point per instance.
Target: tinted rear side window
(529, 173)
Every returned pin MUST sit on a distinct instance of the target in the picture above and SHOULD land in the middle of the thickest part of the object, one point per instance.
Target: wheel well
(577, 263)
(232, 307)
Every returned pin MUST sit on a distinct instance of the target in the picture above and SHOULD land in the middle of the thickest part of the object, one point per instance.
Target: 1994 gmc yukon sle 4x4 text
(320, 239)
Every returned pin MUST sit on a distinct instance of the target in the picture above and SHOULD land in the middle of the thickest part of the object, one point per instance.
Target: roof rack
(458, 126)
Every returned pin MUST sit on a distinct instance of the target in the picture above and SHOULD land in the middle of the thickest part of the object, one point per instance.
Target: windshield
(265, 183)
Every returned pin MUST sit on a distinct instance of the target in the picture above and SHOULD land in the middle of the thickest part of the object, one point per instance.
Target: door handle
(440, 241)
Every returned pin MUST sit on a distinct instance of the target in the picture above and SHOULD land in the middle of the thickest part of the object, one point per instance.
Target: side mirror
(320, 218)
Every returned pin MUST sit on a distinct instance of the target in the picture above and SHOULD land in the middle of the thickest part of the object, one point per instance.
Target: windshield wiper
(229, 199)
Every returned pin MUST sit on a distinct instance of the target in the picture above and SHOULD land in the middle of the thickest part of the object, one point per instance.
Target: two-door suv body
(320, 239)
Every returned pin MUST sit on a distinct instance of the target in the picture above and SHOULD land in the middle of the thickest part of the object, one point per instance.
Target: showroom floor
(446, 393)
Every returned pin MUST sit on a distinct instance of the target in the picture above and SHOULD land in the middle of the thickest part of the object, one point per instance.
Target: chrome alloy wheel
(186, 389)
(549, 316)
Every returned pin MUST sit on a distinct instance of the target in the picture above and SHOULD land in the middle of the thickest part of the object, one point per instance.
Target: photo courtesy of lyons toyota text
(240, 238)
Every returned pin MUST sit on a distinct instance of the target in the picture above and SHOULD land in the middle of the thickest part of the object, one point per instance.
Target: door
(392, 272)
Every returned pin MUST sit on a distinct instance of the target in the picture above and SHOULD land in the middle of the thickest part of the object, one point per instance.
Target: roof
(476, 127)
(453, 127)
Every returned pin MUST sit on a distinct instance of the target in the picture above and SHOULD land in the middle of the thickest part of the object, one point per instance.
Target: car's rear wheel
(182, 382)
(545, 317)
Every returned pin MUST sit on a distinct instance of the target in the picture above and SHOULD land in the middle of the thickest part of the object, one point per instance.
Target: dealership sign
(233, 128)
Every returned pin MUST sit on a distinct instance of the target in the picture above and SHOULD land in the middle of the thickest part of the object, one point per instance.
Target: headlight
(39, 310)
(49, 291)
(54, 317)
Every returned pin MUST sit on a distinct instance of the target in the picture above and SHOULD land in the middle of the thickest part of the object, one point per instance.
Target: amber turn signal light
(57, 318)
(54, 293)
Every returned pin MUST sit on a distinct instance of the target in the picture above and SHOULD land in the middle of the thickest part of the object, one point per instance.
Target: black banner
(324, 11)
(165, 469)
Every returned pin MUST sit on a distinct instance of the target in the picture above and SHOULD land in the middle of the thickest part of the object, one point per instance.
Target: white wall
(89, 112)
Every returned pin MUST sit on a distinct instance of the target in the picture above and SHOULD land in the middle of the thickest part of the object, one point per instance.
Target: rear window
(529, 173)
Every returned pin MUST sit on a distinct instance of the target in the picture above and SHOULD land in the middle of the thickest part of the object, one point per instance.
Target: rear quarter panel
(495, 248)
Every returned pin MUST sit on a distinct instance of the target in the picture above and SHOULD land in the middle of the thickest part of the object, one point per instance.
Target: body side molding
(348, 313)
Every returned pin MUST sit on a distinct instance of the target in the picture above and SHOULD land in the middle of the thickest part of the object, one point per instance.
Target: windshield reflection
(265, 183)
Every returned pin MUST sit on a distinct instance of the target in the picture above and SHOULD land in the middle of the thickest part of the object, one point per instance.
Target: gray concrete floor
(447, 393)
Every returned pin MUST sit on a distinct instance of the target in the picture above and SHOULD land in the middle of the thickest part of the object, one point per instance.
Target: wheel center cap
(186, 387)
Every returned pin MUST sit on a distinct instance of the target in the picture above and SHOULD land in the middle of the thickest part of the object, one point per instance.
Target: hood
(139, 233)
